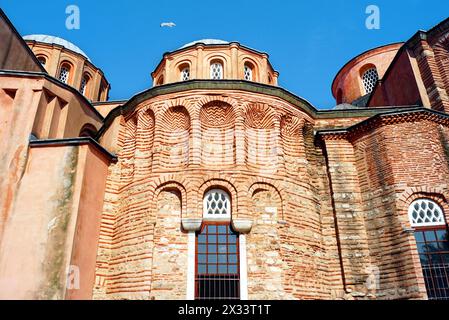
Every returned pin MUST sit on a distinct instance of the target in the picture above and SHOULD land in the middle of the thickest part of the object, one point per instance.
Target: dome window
(42, 60)
(64, 73)
(84, 83)
(216, 71)
(185, 74)
(248, 73)
(370, 78)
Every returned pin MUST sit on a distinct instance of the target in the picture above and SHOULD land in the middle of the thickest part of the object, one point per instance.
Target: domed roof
(205, 41)
(55, 40)
(346, 106)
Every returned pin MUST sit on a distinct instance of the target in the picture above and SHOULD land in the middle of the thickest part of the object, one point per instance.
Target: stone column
(243, 226)
(191, 225)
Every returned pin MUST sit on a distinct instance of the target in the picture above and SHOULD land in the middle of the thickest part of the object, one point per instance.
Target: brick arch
(260, 116)
(260, 123)
(217, 114)
(176, 118)
(247, 59)
(146, 123)
(267, 186)
(146, 107)
(411, 194)
(221, 57)
(441, 50)
(208, 99)
(217, 125)
(186, 103)
(168, 186)
(219, 183)
(146, 118)
(129, 130)
(185, 61)
(291, 125)
(174, 138)
(405, 200)
(66, 60)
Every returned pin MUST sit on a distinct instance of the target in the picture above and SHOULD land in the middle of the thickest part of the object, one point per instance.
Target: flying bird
(168, 24)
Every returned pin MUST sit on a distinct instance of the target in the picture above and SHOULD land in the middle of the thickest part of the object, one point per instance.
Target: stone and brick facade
(319, 198)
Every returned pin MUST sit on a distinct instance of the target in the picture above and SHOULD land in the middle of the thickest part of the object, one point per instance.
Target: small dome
(55, 40)
(346, 106)
(205, 41)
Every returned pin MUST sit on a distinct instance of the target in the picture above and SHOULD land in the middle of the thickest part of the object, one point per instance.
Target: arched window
(42, 60)
(370, 78)
(160, 81)
(432, 241)
(217, 263)
(217, 205)
(84, 83)
(248, 72)
(88, 130)
(216, 70)
(64, 73)
(185, 74)
(217, 272)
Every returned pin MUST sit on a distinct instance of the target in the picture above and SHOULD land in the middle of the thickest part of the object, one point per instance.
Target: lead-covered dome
(205, 41)
(55, 40)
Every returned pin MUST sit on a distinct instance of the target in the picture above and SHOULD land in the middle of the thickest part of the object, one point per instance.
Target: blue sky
(308, 41)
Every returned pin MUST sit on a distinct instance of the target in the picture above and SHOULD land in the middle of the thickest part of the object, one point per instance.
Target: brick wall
(327, 214)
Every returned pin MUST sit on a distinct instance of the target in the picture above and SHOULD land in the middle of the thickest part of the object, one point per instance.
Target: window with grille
(216, 71)
(248, 73)
(185, 74)
(432, 240)
(217, 275)
(424, 213)
(42, 60)
(64, 74)
(370, 78)
(217, 205)
(84, 82)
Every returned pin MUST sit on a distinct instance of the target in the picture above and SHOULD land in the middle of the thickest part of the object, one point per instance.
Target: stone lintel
(192, 224)
(242, 225)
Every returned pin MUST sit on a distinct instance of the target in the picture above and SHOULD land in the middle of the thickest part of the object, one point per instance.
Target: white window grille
(424, 213)
(64, 74)
(216, 71)
(370, 78)
(185, 74)
(248, 73)
(83, 86)
(217, 204)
